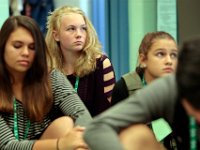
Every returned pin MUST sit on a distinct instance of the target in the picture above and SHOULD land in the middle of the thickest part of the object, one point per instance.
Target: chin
(78, 49)
(167, 73)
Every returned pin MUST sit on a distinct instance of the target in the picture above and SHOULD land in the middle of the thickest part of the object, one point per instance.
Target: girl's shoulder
(103, 60)
(56, 75)
(104, 64)
(101, 57)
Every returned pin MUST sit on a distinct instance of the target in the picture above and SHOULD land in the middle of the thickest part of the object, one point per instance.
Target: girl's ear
(56, 36)
(142, 60)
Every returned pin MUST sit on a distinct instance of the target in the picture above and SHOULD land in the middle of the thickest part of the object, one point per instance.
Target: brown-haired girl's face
(161, 58)
(19, 51)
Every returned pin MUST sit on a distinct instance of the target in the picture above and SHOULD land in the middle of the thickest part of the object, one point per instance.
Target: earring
(143, 66)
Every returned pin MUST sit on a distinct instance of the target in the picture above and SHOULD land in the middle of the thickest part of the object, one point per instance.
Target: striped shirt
(66, 102)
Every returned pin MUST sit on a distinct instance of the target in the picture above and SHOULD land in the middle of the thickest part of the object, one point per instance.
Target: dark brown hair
(37, 93)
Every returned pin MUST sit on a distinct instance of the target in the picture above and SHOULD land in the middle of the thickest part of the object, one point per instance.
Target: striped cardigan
(66, 102)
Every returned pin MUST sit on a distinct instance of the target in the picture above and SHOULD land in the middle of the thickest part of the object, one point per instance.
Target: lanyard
(16, 124)
(193, 133)
(76, 84)
(143, 81)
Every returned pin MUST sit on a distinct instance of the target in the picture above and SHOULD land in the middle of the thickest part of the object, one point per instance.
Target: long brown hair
(37, 93)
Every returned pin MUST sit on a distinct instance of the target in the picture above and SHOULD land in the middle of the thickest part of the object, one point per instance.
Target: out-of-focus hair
(188, 71)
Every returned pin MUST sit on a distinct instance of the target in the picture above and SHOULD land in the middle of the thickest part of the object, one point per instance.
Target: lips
(78, 42)
(24, 62)
(168, 70)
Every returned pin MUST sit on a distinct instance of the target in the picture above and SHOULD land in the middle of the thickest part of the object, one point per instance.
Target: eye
(17, 45)
(84, 28)
(71, 29)
(160, 54)
(173, 55)
(31, 46)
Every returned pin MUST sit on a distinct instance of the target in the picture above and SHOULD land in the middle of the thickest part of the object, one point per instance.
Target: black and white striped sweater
(66, 102)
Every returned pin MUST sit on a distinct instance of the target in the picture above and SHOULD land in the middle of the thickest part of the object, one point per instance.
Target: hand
(73, 140)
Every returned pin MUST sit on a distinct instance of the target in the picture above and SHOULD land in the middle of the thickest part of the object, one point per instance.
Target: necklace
(76, 84)
(193, 133)
(16, 132)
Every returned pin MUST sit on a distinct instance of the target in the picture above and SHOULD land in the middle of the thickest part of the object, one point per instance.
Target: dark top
(120, 92)
(127, 85)
(91, 88)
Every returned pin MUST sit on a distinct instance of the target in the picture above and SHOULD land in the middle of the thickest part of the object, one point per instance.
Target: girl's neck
(17, 77)
(70, 59)
(17, 85)
(70, 56)
(148, 78)
(17, 90)
(68, 69)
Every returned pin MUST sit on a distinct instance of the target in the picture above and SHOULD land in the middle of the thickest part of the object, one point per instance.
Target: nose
(25, 51)
(168, 60)
(78, 33)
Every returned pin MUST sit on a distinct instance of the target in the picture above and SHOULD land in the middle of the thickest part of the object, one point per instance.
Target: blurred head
(22, 48)
(188, 76)
(157, 55)
(69, 29)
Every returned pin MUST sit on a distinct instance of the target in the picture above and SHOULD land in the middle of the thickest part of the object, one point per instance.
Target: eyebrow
(76, 25)
(175, 50)
(161, 49)
(21, 42)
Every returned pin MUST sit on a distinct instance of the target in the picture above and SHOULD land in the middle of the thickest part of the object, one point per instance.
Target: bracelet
(57, 144)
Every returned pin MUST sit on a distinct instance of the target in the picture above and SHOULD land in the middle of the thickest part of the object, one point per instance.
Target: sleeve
(108, 77)
(119, 92)
(67, 99)
(149, 103)
(104, 80)
(8, 141)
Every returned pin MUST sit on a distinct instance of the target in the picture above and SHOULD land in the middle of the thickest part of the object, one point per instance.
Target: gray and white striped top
(66, 102)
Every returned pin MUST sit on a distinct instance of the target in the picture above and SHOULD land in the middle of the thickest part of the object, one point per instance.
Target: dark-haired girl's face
(19, 51)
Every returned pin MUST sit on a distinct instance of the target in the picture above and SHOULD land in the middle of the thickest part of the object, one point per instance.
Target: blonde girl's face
(72, 33)
(161, 59)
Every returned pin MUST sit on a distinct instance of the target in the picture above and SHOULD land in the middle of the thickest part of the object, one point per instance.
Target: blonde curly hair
(86, 63)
